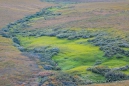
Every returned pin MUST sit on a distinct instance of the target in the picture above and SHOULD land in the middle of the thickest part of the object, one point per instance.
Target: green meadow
(72, 53)
(75, 56)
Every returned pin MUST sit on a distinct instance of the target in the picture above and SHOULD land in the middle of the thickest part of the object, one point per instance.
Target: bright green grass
(74, 57)
(72, 54)
(53, 9)
(36, 18)
(126, 48)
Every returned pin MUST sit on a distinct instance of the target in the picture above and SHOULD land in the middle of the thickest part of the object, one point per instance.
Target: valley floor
(46, 43)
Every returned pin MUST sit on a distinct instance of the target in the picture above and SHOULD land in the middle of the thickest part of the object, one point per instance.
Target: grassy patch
(75, 56)
(54, 9)
(72, 54)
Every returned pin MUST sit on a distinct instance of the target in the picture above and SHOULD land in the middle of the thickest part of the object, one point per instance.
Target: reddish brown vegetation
(14, 68)
(45, 73)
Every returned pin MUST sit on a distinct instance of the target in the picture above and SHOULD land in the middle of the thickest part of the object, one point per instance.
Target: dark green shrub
(48, 67)
(22, 49)
(53, 63)
(126, 53)
(118, 56)
(16, 45)
(98, 62)
(125, 45)
(85, 36)
(57, 68)
(124, 68)
(114, 76)
(72, 37)
(15, 40)
(5, 34)
(99, 70)
(39, 50)
(62, 35)
(5, 29)
(55, 50)
(53, 34)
